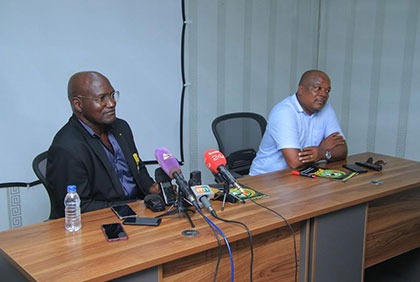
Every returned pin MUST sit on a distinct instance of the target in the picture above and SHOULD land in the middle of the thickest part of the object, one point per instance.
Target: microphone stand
(225, 193)
(226, 189)
(180, 208)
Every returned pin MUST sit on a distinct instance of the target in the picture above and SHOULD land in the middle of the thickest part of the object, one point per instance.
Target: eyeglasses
(104, 98)
(378, 162)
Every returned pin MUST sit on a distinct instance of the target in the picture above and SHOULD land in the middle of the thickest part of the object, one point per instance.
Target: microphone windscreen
(149, 197)
(195, 178)
(154, 202)
(161, 176)
(166, 160)
(214, 159)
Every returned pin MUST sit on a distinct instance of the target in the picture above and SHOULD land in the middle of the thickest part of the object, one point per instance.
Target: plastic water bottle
(73, 219)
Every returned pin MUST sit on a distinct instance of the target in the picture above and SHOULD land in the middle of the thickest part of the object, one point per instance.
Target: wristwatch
(327, 155)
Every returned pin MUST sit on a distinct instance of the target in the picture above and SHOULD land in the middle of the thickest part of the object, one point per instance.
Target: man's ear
(76, 104)
(300, 90)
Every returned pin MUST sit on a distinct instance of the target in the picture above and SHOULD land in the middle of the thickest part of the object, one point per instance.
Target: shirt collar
(298, 106)
(90, 130)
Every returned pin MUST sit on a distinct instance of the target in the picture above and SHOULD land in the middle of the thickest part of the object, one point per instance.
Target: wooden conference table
(340, 228)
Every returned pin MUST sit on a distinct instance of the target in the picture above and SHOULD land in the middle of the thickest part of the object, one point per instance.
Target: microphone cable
(290, 228)
(213, 226)
(219, 253)
(251, 245)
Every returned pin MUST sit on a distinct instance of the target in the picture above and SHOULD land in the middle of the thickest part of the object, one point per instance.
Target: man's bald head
(310, 76)
(82, 82)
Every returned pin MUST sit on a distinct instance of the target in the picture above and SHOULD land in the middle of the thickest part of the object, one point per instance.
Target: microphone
(203, 193)
(170, 166)
(216, 161)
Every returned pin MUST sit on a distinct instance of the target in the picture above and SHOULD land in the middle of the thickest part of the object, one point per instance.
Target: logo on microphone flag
(201, 189)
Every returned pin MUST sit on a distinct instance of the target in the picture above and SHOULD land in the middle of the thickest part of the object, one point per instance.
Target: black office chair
(238, 136)
(39, 165)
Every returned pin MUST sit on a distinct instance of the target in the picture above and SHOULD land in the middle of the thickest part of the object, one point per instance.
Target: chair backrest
(238, 136)
(39, 166)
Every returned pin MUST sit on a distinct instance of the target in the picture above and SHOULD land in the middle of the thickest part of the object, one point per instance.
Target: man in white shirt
(301, 129)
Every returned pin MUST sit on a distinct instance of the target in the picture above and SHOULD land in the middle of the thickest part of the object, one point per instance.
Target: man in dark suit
(95, 150)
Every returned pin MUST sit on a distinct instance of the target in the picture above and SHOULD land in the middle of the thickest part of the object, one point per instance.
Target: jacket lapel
(95, 144)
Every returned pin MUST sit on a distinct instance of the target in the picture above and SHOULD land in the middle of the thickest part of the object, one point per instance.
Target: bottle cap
(71, 188)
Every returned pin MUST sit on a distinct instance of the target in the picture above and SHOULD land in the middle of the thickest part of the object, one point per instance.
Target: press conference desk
(340, 229)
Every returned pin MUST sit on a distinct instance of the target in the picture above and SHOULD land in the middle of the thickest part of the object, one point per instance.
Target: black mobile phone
(114, 232)
(370, 166)
(123, 211)
(167, 191)
(148, 221)
(355, 168)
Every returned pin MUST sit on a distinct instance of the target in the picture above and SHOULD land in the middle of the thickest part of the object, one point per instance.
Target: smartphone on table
(147, 221)
(114, 232)
(355, 168)
(123, 211)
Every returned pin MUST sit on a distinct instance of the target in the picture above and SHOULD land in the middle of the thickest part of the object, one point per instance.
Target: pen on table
(295, 172)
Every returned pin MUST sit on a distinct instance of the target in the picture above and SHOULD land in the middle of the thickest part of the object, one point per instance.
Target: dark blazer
(76, 157)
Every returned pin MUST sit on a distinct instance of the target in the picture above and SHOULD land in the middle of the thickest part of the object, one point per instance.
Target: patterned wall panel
(14, 206)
